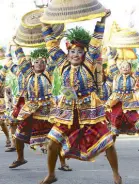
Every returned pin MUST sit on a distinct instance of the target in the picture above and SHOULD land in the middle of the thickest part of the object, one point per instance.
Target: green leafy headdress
(77, 37)
(39, 53)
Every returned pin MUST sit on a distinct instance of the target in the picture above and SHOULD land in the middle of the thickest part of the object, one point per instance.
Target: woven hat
(29, 33)
(2, 53)
(126, 54)
(124, 38)
(64, 11)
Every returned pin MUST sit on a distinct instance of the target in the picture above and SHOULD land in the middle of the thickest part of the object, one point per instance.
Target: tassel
(81, 126)
(69, 126)
(58, 124)
(93, 160)
(124, 111)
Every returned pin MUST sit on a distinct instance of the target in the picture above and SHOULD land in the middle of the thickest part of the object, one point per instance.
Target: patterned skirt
(33, 131)
(82, 143)
(123, 123)
(18, 107)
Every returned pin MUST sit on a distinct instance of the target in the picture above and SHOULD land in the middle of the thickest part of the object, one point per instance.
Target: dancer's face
(76, 56)
(39, 65)
(125, 68)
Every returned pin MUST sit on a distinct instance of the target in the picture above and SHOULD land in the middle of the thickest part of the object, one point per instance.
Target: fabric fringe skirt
(33, 131)
(123, 123)
(82, 143)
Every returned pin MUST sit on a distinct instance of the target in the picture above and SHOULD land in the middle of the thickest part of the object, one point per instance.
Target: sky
(11, 12)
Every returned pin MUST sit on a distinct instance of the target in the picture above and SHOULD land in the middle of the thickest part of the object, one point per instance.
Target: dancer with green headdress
(32, 117)
(80, 127)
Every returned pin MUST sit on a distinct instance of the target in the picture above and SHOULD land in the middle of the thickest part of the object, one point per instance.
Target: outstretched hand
(108, 13)
(13, 41)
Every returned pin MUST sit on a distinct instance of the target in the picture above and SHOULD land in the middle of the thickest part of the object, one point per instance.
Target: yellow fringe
(69, 126)
(36, 85)
(99, 141)
(40, 118)
(58, 124)
(124, 46)
(30, 45)
(85, 122)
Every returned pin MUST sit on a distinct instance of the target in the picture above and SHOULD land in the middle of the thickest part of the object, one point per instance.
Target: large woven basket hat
(2, 53)
(29, 33)
(124, 38)
(126, 54)
(64, 11)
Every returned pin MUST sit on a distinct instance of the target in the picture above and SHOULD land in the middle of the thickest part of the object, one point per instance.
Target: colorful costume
(33, 126)
(3, 72)
(79, 122)
(124, 105)
(2, 104)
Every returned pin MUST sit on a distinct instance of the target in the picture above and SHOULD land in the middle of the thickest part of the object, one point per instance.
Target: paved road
(83, 172)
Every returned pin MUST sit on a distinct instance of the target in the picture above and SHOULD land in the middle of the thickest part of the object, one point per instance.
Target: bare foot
(48, 180)
(117, 179)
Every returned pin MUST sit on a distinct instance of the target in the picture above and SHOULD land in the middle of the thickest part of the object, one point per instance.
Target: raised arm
(7, 65)
(94, 50)
(52, 45)
(105, 79)
(112, 66)
(24, 65)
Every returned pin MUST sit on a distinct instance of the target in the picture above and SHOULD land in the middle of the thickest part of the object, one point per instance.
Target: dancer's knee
(53, 146)
(111, 149)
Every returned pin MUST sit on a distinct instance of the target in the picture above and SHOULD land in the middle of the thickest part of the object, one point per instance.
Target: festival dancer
(33, 126)
(3, 123)
(14, 69)
(122, 105)
(8, 96)
(124, 102)
(80, 127)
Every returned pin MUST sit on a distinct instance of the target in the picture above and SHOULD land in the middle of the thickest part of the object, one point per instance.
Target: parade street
(98, 172)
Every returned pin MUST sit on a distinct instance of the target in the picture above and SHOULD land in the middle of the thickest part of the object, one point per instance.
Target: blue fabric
(27, 66)
(128, 83)
(79, 76)
(57, 55)
(99, 29)
(47, 32)
(120, 84)
(20, 50)
(65, 75)
(41, 88)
